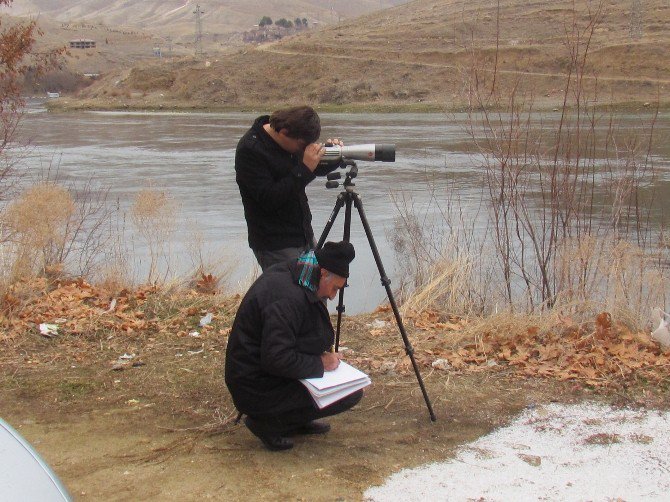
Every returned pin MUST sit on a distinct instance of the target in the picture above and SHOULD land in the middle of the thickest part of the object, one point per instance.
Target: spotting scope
(371, 152)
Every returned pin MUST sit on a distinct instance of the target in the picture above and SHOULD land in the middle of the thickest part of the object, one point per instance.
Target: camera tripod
(347, 198)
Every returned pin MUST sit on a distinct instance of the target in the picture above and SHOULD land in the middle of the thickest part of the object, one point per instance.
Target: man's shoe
(314, 427)
(273, 442)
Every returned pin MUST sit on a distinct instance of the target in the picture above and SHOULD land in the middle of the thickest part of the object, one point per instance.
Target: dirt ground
(158, 426)
(121, 451)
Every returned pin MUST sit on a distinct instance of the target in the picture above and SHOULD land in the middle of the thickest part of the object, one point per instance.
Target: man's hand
(314, 153)
(330, 360)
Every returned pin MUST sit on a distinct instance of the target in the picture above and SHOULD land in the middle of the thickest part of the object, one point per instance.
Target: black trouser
(284, 423)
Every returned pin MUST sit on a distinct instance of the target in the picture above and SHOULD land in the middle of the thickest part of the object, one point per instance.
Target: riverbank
(72, 104)
(124, 397)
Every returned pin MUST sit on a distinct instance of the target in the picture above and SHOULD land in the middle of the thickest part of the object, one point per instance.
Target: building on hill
(82, 43)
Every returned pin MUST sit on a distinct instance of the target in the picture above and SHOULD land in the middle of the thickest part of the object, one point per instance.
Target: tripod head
(348, 184)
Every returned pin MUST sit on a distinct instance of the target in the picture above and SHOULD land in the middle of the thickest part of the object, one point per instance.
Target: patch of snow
(550, 453)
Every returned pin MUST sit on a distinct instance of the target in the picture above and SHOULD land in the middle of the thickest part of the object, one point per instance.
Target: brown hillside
(175, 18)
(417, 54)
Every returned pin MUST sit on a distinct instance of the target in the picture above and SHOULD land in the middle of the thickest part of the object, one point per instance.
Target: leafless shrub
(568, 198)
(19, 58)
(558, 213)
(89, 230)
(611, 274)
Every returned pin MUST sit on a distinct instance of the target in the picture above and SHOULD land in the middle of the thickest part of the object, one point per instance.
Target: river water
(191, 156)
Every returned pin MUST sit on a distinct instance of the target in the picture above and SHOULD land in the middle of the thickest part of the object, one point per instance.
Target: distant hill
(175, 18)
(423, 52)
(129, 31)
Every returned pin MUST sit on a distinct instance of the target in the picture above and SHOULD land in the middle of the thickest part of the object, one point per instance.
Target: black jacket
(279, 333)
(272, 184)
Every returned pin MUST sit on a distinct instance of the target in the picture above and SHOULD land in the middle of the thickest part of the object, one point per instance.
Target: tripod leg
(386, 283)
(339, 202)
(346, 236)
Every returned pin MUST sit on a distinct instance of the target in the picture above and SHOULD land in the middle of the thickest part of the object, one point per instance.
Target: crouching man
(281, 334)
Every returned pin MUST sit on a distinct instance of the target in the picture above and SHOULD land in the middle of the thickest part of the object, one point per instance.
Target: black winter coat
(279, 333)
(272, 183)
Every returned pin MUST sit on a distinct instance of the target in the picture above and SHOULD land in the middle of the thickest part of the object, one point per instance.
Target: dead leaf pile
(80, 309)
(207, 284)
(600, 353)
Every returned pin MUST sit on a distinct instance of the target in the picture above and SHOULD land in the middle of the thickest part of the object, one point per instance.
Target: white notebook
(335, 385)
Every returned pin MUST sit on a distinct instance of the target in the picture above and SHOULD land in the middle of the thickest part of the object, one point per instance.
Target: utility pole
(198, 30)
(636, 15)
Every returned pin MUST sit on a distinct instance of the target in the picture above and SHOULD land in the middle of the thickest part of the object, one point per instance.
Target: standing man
(282, 333)
(274, 162)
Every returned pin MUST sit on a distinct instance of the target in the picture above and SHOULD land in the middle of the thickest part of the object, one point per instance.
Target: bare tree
(18, 58)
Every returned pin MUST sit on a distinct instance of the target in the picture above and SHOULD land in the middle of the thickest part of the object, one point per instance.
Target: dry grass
(153, 214)
(596, 275)
(116, 272)
(211, 269)
(35, 227)
(612, 275)
(446, 287)
(46, 232)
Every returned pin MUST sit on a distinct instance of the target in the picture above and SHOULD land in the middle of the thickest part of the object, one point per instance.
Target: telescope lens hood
(385, 153)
